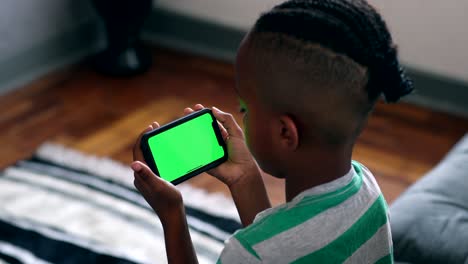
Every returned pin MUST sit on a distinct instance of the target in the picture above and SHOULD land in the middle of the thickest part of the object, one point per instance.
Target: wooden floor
(102, 116)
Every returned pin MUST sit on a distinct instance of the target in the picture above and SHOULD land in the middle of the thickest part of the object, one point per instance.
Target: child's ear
(289, 133)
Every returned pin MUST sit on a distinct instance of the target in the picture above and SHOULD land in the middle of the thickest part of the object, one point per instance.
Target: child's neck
(318, 167)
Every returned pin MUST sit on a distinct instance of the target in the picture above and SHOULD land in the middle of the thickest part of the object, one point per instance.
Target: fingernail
(136, 166)
(216, 109)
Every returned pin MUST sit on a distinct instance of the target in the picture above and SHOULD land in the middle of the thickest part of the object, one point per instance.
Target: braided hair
(349, 27)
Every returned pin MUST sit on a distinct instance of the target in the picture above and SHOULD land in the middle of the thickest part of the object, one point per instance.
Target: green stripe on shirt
(385, 260)
(345, 245)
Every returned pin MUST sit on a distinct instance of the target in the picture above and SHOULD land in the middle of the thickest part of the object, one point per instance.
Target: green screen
(186, 147)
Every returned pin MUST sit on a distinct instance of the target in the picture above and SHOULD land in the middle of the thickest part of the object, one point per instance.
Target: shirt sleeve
(235, 252)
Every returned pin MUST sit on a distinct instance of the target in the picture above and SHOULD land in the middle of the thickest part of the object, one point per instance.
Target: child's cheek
(259, 143)
(246, 132)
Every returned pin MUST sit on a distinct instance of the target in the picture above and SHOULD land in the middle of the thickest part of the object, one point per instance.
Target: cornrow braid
(349, 27)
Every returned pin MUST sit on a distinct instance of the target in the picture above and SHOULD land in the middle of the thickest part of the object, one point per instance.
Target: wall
(432, 34)
(39, 36)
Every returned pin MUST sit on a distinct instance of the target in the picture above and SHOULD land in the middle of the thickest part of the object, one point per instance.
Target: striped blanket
(62, 206)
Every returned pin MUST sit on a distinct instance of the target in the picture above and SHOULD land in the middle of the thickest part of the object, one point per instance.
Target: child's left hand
(167, 202)
(161, 195)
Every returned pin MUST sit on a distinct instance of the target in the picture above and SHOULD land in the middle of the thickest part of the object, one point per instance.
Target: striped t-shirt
(343, 221)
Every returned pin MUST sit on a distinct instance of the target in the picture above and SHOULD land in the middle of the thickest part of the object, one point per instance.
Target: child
(308, 74)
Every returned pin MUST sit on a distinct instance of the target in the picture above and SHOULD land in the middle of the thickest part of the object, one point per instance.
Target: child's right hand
(240, 163)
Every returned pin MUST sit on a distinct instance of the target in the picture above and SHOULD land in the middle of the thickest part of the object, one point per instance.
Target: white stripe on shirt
(234, 253)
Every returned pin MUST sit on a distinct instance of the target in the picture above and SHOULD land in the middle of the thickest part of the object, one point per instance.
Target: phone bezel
(148, 156)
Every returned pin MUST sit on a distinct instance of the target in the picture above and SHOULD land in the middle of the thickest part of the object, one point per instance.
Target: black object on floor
(124, 54)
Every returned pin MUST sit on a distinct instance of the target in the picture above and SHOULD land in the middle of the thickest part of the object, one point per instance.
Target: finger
(198, 107)
(147, 180)
(142, 186)
(228, 122)
(223, 130)
(188, 110)
(155, 125)
(137, 183)
(137, 154)
(142, 171)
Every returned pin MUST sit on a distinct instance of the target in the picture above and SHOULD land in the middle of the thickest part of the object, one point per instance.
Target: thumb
(149, 183)
(228, 122)
(143, 171)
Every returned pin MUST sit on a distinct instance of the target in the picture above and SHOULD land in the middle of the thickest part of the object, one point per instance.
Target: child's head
(310, 72)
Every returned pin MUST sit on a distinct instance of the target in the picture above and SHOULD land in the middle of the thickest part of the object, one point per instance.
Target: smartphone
(185, 147)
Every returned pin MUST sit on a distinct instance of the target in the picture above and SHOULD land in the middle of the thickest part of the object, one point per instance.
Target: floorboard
(102, 116)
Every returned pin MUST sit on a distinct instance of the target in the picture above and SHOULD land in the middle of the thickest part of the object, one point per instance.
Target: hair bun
(390, 78)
